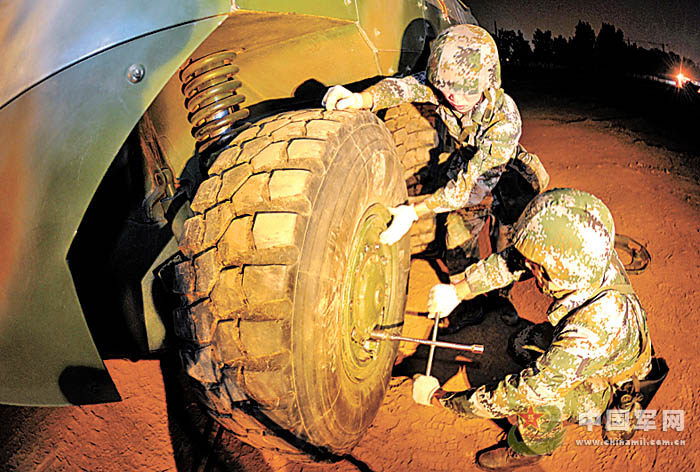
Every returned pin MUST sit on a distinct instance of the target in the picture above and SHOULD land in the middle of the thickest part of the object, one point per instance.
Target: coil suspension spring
(209, 85)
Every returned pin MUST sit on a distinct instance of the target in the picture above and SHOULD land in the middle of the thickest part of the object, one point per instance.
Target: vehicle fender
(59, 138)
(40, 38)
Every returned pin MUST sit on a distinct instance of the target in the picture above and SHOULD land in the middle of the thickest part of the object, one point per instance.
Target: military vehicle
(169, 181)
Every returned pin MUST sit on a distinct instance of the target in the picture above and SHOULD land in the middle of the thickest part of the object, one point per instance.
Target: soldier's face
(544, 283)
(462, 102)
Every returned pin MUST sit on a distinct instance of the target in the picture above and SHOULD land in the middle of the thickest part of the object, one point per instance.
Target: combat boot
(502, 457)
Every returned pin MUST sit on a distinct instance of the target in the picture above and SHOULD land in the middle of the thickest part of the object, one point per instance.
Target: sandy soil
(655, 198)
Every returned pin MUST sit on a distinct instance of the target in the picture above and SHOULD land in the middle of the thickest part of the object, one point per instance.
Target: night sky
(673, 22)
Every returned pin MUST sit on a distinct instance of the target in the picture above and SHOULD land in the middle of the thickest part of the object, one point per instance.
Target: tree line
(608, 51)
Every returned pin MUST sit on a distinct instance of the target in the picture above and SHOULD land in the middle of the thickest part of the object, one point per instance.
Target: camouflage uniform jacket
(493, 127)
(599, 334)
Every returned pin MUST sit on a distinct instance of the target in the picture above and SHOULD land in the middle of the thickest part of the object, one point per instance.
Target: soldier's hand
(340, 98)
(424, 387)
(404, 216)
(442, 299)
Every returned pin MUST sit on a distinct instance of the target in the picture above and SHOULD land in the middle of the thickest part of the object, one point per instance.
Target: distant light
(681, 80)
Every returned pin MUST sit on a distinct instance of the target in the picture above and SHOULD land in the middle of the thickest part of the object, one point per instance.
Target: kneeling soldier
(565, 238)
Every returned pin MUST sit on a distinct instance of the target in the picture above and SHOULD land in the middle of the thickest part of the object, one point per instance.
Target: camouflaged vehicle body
(97, 148)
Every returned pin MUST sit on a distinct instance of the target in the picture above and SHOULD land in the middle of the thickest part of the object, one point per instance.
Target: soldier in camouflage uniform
(565, 238)
(463, 79)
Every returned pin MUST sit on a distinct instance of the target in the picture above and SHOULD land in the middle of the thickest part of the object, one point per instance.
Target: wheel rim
(368, 294)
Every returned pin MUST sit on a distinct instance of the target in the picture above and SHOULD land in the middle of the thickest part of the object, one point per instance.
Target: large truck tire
(415, 129)
(284, 279)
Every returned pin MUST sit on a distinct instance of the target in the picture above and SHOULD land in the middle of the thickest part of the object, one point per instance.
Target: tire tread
(242, 247)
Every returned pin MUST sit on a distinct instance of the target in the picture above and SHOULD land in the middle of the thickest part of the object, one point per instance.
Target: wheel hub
(367, 292)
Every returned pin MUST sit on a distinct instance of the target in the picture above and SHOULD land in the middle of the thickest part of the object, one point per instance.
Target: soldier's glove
(424, 387)
(340, 98)
(404, 216)
(442, 299)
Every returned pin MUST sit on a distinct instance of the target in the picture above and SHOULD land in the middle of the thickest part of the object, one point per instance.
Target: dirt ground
(655, 197)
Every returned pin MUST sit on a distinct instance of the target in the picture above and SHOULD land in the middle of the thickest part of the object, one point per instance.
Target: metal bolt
(135, 73)
(368, 353)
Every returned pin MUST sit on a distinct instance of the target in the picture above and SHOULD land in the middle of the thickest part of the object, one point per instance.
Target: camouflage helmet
(570, 233)
(464, 58)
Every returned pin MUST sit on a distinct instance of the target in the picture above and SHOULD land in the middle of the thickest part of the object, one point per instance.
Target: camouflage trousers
(542, 429)
(510, 197)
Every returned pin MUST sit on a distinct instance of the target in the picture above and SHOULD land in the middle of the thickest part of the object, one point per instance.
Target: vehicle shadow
(199, 444)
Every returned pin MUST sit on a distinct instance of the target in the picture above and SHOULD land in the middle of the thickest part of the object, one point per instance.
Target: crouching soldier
(565, 239)
(463, 78)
